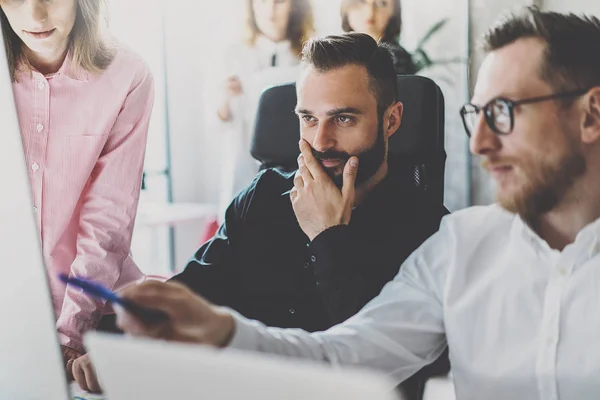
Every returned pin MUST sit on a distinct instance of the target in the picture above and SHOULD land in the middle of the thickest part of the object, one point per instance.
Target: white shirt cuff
(245, 336)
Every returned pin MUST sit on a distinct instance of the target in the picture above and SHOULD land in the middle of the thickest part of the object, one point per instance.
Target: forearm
(252, 335)
(397, 334)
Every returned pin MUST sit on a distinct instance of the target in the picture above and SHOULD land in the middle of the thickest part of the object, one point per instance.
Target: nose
(269, 10)
(39, 12)
(323, 139)
(483, 139)
(371, 10)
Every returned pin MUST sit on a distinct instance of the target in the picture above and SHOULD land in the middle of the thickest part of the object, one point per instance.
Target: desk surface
(156, 214)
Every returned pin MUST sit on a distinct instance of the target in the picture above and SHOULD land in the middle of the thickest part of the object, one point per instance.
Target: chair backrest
(419, 141)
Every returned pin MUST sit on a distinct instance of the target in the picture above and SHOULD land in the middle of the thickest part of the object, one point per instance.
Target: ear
(590, 127)
(394, 119)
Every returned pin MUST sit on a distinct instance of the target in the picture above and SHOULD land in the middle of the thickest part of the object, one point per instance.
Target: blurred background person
(382, 20)
(268, 55)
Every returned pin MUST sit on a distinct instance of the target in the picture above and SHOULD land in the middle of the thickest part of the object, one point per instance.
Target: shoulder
(478, 222)
(128, 67)
(269, 188)
(272, 181)
(461, 235)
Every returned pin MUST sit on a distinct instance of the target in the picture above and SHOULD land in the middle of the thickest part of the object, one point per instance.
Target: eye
(307, 118)
(344, 119)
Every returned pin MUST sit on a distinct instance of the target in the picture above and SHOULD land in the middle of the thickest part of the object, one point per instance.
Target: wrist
(327, 228)
(225, 328)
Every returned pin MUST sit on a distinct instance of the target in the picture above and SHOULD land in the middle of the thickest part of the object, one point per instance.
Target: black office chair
(419, 140)
(276, 129)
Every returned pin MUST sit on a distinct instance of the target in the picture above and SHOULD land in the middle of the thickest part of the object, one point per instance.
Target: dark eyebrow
(335, 111)
(302, 111)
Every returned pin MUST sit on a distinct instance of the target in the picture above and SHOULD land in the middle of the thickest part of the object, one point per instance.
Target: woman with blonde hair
(382, 20)
(269, 54)
(84, 105)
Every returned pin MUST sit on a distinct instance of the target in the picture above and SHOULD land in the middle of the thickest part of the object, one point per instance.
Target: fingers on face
(298, 181)
(309, 160)
(293, 194)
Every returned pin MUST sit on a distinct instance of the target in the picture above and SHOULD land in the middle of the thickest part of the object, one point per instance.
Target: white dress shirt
(522, 321)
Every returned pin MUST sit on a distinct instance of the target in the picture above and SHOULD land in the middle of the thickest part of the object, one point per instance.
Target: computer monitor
(130, 368)
(31, 365)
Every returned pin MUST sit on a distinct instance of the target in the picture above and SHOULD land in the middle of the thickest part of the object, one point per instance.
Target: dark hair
(300, 25)
(393, 28)
(572, 54)
(336, 51)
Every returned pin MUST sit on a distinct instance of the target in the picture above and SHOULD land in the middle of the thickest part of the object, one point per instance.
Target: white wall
(576, 6)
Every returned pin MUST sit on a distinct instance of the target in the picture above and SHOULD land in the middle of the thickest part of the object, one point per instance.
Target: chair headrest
(422, 128)
(277, 130)
(276, 127)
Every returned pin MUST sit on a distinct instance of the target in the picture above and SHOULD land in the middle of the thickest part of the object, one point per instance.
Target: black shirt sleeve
(213, 270)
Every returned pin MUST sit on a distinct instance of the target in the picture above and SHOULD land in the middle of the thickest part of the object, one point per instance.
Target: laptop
(31, 365)
(130, 368)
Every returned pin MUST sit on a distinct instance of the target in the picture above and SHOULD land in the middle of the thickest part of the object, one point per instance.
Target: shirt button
(306, 265)
(35, 167)
(41, 85)
(35, 209)
(313, 258)
(292, 311)
(562, 271)
(40, 127)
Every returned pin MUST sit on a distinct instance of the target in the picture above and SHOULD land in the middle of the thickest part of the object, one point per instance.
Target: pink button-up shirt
(84, 137)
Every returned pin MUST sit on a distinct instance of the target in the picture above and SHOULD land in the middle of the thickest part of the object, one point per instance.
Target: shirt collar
(589, 237)
(267, 45)
(67, 69)
(72, 71)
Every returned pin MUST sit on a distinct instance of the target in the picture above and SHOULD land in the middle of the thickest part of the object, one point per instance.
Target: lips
(500, 171)
(40, 34)
(330, 163)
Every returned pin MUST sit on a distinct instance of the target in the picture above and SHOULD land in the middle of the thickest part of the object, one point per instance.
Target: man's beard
(369, 163)
(547, 186)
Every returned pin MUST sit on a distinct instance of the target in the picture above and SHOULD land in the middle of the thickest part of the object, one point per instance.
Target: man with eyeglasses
(513, 288)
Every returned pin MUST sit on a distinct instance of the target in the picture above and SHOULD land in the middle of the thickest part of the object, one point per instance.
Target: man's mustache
(331, 155)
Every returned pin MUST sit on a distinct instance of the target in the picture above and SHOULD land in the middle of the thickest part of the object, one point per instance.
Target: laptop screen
(31, 364)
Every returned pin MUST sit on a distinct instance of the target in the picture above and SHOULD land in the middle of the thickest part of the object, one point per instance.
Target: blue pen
(99, 291)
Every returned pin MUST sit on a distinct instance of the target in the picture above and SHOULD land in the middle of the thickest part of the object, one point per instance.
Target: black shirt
(261, 263)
